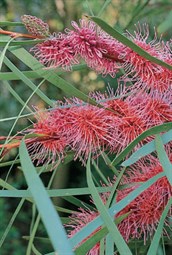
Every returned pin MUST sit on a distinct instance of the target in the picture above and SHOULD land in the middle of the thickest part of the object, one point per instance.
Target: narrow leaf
(155, 242)
(163, 158)
(152, 131)
(146, 149)
(108, 221)
(45, 207)
(4, 52)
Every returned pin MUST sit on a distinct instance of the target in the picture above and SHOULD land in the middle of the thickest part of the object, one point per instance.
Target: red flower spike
(145, 73)
(88, 130)
(56, 52)
(146, 209)
(155, 106)
(51, 148)
(128, 123)
(99, 50)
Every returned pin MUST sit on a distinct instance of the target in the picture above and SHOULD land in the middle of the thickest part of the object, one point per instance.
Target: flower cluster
(143, 213)
(103, 53)
(84, 128)
(113, 122)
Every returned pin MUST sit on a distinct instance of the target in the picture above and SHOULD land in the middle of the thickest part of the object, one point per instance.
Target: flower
(142, 71)
(99, 50)
(128, 122)
(89, 130)
(56, 51)
(146, 209)
(155, 106)
(52, 146)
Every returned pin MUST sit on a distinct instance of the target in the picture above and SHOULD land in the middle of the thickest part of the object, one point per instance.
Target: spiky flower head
(56, 51)
(145, 210)
(99, 50)
(142, 71)
(51, 148)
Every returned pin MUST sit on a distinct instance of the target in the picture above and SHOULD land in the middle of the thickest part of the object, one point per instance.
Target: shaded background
(58, 14)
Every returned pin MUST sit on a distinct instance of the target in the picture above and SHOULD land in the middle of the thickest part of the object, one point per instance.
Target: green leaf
(51, 192)
(4, 51)
(45, 207)
(50, 75)
(152, 131)
(108, 221)
(146, 149)
(124, 40)
(21, 43)
(10, 76)
(8, 23)
(163, 158)
(33, 75)
(27, 81)
(17, 210)
(16, 96)
(155, 241)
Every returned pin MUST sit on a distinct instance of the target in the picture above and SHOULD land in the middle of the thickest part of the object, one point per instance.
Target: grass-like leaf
(151, 131)
(27, 81)
(49, 216)
(51, 193)
(50, 75)
(108, 221)
(21, 43)
(9, 23)
(146, 149)
(17, 210)
(155, 241)
(163, 158)
(4, 51)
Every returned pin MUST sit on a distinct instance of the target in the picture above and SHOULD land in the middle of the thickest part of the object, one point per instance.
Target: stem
(14, 34)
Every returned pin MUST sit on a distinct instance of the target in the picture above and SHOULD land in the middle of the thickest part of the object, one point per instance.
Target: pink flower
(99, 50)
(128, 123)
(155, 106)
(73, 125)
(56, 51)
(146, 210)
(89, 129)
(50, 146)
(144, 72)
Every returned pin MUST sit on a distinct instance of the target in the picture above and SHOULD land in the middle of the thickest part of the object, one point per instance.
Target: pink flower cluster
(103, 53)
(84, 128)
(74, 125)
(144, 212)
